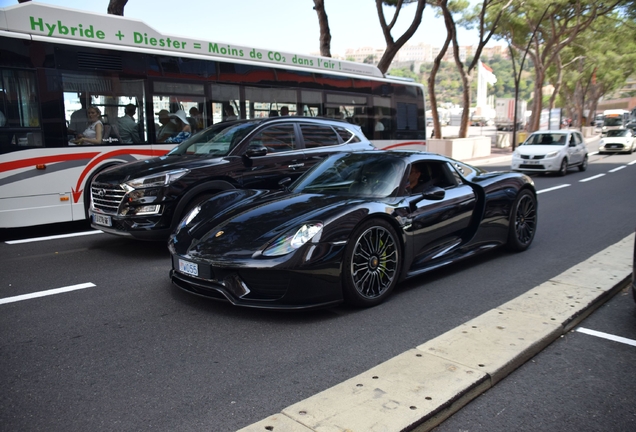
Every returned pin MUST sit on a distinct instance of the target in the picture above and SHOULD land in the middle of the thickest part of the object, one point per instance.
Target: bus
(57, 62)
(614, 119)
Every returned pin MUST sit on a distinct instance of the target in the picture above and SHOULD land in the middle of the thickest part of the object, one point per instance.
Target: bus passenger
(128, 128)
(284, 111)
(229, 113)
(79, 118)
(167, 128)
(93, 132)
(182, 125)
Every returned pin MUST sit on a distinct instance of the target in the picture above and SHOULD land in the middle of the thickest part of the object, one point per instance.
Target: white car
(551, 151)
(618, 140)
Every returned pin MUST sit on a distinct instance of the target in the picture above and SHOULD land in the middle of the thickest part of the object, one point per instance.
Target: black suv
(146, 199)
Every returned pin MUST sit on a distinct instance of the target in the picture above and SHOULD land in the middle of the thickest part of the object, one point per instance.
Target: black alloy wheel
(523, 221)
(372, 264)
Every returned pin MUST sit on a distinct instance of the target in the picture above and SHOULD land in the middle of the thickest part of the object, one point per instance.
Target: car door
(284, 158)
(576, 148)
(320, 140)
(439, 226)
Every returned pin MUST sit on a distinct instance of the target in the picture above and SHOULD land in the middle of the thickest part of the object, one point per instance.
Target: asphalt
(420, 388)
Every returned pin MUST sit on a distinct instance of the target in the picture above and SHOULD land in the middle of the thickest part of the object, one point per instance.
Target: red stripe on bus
(77, 192)
(404, 144)
(24, 163)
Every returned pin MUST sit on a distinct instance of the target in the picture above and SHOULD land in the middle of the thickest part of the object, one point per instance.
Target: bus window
(226, 102)
(382, 122)
(344, 107)
(269, 102)
(310, 103)
(172, 97)
(110, 95)
(19, 109)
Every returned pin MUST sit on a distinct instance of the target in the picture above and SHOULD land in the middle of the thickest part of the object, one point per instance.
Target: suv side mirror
(255, 150)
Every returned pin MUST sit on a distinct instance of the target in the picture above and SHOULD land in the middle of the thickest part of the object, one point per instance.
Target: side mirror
(434, 193)
(284, 182)
(256, 150)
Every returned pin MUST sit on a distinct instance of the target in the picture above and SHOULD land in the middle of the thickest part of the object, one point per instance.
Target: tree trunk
(116, 7)
(325, 34)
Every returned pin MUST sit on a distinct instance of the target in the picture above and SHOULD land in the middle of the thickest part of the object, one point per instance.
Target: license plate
(533, 162)
(188, 268)
(102, 220)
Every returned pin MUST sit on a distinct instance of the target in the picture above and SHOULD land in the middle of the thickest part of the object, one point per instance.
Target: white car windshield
(618, 133)
(558, 139)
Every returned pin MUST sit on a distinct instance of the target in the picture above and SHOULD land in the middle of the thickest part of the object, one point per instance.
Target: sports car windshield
(216, 140)
(354, 174)
(546, 139)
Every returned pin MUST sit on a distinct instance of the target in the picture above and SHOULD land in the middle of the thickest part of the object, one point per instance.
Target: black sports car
(349, 229)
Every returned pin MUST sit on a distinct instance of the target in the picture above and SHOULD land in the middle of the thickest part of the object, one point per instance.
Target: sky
(284, 25)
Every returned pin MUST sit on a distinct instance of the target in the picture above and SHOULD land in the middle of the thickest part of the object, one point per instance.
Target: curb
(419, 389)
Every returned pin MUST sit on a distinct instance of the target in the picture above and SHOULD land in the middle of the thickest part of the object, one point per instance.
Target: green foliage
(448, 83)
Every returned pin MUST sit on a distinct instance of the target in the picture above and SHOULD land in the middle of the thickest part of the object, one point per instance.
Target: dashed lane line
(618, 168)
(55, 237)
(607, 336)
(591, 178)
(553, 188)
(46, 293)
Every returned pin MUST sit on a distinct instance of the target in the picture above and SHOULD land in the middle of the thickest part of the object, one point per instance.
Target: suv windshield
(546, 139)
(216, 140)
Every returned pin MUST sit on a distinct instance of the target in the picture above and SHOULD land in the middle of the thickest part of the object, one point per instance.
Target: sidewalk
(419, 389)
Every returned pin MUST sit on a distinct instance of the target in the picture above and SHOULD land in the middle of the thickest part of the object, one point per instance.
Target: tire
(523, 221)
(563, 170)
(583, 165)
(371, 266)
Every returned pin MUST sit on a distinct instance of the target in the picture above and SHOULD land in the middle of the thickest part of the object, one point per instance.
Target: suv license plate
(188, 268)
(102, 220)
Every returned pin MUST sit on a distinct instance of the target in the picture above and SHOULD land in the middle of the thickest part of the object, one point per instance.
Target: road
(130, 352)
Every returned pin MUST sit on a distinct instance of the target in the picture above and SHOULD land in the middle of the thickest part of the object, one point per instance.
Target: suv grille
(106, 198)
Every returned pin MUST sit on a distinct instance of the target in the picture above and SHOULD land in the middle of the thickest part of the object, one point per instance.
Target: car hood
(146, 167)
(236, 224)
(532, 150)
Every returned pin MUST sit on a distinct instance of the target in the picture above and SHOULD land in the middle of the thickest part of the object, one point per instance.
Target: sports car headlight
(193, 213)
(551, 154)
(155, 180)
(291, 241)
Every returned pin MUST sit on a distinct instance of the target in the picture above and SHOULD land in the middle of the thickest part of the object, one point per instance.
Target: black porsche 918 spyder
(349, 230)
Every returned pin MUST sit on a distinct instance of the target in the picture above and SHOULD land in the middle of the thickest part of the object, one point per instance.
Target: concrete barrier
(460, 148)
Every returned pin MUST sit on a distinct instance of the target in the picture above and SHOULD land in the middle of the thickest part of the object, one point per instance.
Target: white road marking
(607, 336)
(46, 293)
(632, 162)
(618, 169)
(54, 237)
(553, 188)
(591, 178)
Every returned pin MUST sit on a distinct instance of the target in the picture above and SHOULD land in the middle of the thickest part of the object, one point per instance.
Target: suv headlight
(155, 180)
(551, 154)
(291, 241)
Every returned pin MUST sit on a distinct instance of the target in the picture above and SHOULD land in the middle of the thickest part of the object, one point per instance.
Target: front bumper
(613, 148)
(292, 282)
(552, 164)
(139, 227)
